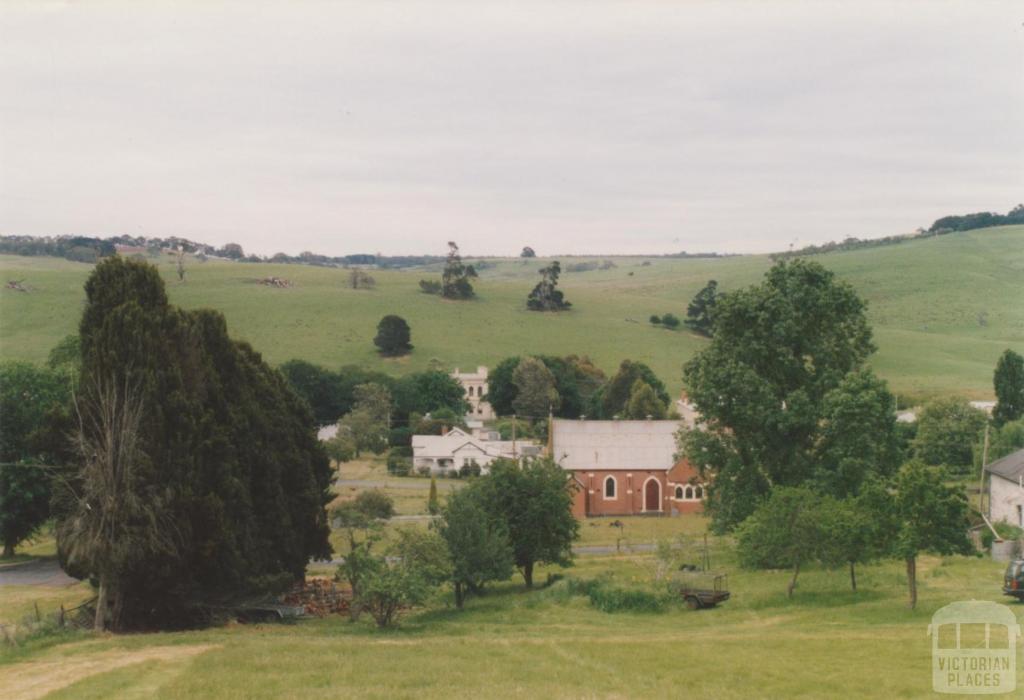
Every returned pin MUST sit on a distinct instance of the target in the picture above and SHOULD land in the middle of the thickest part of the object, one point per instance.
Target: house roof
(1009, 467)
(614, 444)
(443, 446)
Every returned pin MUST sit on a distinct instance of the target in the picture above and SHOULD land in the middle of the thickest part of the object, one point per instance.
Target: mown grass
(943, 310)
(826, 642)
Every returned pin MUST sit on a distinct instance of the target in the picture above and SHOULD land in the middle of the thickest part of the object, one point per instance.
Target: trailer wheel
(692, 602)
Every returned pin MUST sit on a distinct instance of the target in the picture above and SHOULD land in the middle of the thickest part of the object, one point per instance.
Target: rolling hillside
(943, 309)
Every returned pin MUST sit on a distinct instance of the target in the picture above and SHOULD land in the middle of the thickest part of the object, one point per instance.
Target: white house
(475, 386)
(458, 448)
(1006, 489)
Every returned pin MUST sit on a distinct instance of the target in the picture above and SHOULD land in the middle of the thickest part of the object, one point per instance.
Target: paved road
(38, 572)
(412, 484)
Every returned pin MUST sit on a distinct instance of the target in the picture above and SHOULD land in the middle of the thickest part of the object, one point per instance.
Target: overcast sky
(570, 127)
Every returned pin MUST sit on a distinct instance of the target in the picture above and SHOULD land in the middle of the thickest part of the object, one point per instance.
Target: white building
(458, 448)
(475, 386)
(1006, 489)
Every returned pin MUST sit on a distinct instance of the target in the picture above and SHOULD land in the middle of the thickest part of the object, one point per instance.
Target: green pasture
(943, 310)
(826, 642)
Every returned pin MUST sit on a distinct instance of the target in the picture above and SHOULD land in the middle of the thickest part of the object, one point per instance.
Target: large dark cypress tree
(229, 455)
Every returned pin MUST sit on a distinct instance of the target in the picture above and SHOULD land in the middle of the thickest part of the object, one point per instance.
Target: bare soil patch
(35, 679)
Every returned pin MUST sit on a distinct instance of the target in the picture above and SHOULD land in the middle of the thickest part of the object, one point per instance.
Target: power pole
(981, 486)
(513, 436)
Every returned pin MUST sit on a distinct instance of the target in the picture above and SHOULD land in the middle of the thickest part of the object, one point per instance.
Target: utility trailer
(703, 590)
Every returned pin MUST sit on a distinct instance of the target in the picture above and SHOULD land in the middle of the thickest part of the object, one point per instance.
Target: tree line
(940, 227)
(795, 428)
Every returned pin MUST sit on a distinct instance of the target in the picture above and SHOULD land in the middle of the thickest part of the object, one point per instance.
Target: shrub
(400, 437)
(468, 470)
(670, 321)
(1006, 531)
(400, 461)
(656, 319)
(610, 599)
(430, 286)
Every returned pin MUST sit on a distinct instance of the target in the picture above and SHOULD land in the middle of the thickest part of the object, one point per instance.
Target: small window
(609, 487)
(689, 493)
(698, 492)
(679, 493)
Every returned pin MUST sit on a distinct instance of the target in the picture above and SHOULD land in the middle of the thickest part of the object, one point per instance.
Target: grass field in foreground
(827, 642)
(943, 310)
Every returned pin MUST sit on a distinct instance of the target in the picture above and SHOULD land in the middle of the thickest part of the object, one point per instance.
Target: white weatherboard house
(475, 386)
(1006, 489)
(458, 448)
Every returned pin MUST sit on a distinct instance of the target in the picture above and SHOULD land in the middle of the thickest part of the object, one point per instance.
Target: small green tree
(655, 319)
(535, 502)
(393, 336)
(433, 506)
(418, 564)
(28, 395)
(366, 426)
(455, 282)
(783, 531)
(429, 392)
(644, 403)
(614, 397)
(922, 514)
(670, 320)
(1008, 380)
(1004, 440)
(947, 431)
(700, 314)
(849, 534)
(545, 296)
(477, 541)
(536, 394)
(361, 522)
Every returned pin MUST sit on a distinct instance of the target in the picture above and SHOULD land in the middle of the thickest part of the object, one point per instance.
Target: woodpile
(279, 282)
(320, 597)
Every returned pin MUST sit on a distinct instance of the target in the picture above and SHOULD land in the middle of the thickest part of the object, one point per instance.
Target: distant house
(458, 448)
(1005, 489)
(475, 386)
(626, 467)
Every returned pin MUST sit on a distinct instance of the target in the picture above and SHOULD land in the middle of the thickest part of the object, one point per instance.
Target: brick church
(626, 467)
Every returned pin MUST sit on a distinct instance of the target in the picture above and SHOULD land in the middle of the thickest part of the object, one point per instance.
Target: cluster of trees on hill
(516, 517)
(332, 394)
(91, 249)
(455, 278)
(546, 296)
(984, 219)
(947, 224)
(572, 386)
(76, 248)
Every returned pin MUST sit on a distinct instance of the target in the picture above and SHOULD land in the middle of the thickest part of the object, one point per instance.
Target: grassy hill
(943, 309)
